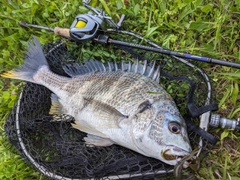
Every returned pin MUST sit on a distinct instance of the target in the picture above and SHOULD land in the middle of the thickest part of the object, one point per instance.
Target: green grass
(208, 28)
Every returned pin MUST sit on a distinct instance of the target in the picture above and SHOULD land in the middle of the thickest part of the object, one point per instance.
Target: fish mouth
(168, 156)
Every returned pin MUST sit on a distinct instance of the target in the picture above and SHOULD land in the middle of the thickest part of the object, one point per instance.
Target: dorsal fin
(150, 72)
(147, 69)
(144, 67)
(129, 66)
(136, 66)
(110, 66)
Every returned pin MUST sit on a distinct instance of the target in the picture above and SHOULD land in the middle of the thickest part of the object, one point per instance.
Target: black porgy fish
(114, 103)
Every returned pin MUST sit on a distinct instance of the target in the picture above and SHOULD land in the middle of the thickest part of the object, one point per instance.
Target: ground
(207, 28)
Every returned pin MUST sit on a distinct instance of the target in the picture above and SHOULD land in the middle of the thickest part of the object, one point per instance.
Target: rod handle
(62, 32)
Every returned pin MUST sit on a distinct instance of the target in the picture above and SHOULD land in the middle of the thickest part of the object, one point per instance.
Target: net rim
(204, 119)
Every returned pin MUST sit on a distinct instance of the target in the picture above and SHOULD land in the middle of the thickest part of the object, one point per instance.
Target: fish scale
(156, 126)
(113, 103)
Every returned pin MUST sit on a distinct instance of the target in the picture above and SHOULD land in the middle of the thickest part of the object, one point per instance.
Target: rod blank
(177, 54)
(24, 24)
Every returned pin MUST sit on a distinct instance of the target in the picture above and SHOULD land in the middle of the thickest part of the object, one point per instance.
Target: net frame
(203, 118)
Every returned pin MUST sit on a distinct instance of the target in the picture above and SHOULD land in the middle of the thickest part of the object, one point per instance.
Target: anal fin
(97, 141)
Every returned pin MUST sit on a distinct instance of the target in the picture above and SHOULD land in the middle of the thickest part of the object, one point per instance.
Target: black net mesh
(58, 150)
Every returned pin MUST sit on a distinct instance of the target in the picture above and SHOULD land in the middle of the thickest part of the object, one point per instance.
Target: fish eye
(143, 106)
(174, 127)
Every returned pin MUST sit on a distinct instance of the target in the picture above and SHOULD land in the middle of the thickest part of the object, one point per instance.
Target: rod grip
(62, 32)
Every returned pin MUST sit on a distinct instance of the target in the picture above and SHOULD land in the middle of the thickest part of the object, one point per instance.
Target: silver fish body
(119, 105)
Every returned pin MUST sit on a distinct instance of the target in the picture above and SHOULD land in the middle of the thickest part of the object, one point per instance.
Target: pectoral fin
(97, 141)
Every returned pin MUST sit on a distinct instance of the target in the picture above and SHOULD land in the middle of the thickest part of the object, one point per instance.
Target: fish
(114, 103)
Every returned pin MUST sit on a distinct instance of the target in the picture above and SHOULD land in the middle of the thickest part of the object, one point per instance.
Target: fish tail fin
(33, 61)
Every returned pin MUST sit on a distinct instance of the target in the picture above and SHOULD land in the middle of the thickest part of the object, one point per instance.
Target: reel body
(85, 26)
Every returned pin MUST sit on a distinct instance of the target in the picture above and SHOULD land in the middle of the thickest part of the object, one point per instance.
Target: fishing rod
(106, 40)
(92, 26)
(89, 26)
(79, 32)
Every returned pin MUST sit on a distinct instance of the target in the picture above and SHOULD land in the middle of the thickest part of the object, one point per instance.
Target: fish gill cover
(58, 150)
